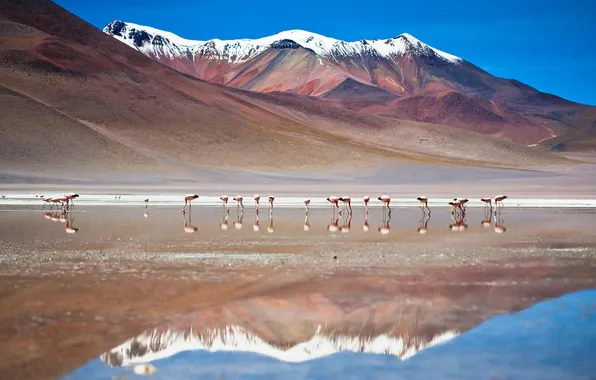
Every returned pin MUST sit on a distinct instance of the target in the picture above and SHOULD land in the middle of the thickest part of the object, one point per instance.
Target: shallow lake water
(112, 291)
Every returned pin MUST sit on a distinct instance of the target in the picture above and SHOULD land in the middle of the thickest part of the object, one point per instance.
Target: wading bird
(455, 207)
(499, 199)
(256, 198)
(366, 198)
(224, 199)
(334, 202)
(306, 203)
(423, 203)
(188, 201)
(488, 202)
(238, 199)
(271, 199)
(386, 201)
(347, 201)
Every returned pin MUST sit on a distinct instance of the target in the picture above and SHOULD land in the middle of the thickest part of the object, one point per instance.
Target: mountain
(310, 64)
(159, 344)
(78, 103)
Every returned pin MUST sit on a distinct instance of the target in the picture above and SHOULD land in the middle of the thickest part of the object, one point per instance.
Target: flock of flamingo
(458, 205)
(458, 209)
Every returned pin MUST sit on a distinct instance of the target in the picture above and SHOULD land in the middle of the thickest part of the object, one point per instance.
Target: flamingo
(455, 205)
(462, 202)
(347, 201)
(70, 199)
(423, 202)
(488, 202)
(306, 203)
(386, 200)
(187, 200)
(334, 202)
(366, 198)
(224, 199)
(271, 199)
(3, 196)
(146, 213)
(238, 199)
(256, 198)
(499, 199)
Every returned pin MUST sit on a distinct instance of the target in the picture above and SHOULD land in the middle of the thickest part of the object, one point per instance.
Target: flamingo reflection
(385, 228)
(459, 221)
(224, 221)
(365, 226)
(188, 227)
(333, 226)
(270, 227)
(256, 226)
(347, 225)
(488, 217)
(423, 228)
(238, 221)
(70, 228)
(499, 226)
(306, 221)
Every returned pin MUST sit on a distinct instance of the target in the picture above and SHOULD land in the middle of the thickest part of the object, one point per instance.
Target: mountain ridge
(310, 64)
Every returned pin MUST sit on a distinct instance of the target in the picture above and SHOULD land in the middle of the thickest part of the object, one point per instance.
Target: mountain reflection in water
(550, 340)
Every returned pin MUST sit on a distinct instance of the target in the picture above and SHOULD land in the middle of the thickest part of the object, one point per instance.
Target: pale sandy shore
(569, 181)
(68, 298)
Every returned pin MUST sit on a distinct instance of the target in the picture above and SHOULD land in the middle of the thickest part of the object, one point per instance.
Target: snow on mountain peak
(154, 345)
(153, 41)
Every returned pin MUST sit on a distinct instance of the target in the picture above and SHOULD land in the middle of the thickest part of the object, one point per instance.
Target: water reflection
(270, 228)
(365, 226)
(499, 223)
(306, 226)
(188, 227)
(385, 228)
(365, 342)
(63, 217)
(423, 223)
(333, 225)
(256, 226)
(459, 221)
(224, 221)
(238, 221)
(347, 225)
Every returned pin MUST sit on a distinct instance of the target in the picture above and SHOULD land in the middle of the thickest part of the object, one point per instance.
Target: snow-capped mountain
(160, 344)
(399, 77)
(153, 41)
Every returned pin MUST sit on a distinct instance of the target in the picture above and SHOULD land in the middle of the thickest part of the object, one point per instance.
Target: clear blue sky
(548, 44)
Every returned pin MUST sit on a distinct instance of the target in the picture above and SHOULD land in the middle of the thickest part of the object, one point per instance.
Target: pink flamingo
(224, 199)
(188, 201)
(238, 199)
(366, 198)
(386, 201)
(347, 201)
(306, 203)
(423, 202)
(499, 199)
(334, 202)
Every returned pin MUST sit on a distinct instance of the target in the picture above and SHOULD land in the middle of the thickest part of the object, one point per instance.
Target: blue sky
(548, 44)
